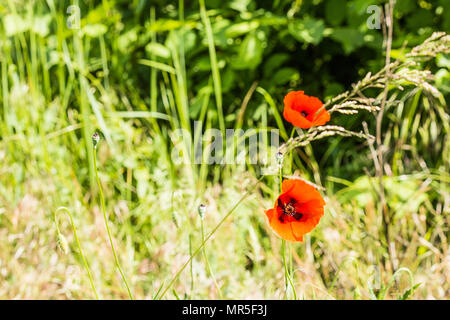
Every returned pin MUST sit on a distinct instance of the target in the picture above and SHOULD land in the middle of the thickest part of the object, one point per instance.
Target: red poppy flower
(300, 110)
(297, 210)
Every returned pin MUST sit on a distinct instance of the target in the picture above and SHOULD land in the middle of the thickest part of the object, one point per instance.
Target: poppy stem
(287, 277)
(208, 266)
(105, 217)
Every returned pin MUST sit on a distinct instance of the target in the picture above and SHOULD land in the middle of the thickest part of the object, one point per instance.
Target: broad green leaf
(41, 25)
(274, 62)
(307, 30)
(240, 5)
(335, 11)
(175, 37)
(158, 50)
(124, 42)
(241, 28)
(250, 53)
(284, 75)
(95, 30)
(405, 6)
(349, 38)
(15, 24)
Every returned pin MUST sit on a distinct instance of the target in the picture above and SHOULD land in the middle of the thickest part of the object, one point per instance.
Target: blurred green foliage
(321, 47)
(59, 85)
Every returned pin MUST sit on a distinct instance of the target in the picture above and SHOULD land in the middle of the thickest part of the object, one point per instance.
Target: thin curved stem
(287, 276)
(208, 266)
(102, 200)
(86, 265)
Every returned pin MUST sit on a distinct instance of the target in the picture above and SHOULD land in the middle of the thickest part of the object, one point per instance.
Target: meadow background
(136, 71)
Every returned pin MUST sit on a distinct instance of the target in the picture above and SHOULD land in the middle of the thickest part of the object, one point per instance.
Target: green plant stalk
(84, 105)
(102, 200)
(287, 276)
(208, 266)
(190, 236)
(86, 265)
(207, 238)
(214, 66)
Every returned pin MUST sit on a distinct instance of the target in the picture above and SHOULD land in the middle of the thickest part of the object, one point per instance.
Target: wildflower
(297, 210)
(302, 110)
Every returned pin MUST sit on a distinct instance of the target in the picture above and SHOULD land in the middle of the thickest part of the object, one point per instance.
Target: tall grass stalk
(105, 217)
(214, 65)
(388, 24)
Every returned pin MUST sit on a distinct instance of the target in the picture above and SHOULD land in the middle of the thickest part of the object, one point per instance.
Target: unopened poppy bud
(201, 210)
(279, 157)
(95, 139)
(175, 218)
(62, 243)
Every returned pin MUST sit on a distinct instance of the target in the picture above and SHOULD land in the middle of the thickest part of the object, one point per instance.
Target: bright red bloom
(301, 110)
(297, 210)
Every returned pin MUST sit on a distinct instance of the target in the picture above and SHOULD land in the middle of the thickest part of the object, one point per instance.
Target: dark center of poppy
(288, 209)
(304, 114)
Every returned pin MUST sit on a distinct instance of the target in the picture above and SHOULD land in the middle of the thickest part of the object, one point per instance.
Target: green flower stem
(102, 200)
(208, 266)
(86, 265)
(287, 277)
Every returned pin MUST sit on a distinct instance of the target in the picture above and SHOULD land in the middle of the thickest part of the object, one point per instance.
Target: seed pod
(175, 218)
(201, 211)
(62, 243)
(279, 157)
(95, 139)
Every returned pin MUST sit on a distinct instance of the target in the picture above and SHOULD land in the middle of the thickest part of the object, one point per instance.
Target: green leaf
(308, 30)
(410, 291)
(240, 5)
(420, 18)
(250, 53)
(94, 30)
(333, 89)
(405, 6)
(175, 37)
(157, 49)
(239, 29)
(349, 38)
(274, 62)
(41, 25)
(285, 75)
(335, 12)
(124, 42)
(15, 24)
(228, 80)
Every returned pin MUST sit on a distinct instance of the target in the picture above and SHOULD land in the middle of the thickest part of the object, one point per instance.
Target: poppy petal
(300, 110)
(296, 119)
(283, 230)
(297, 210)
